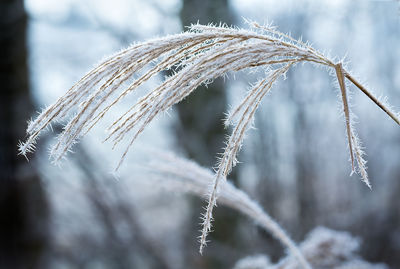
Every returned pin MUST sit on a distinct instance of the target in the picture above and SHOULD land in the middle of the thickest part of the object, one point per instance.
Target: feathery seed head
(196, 57)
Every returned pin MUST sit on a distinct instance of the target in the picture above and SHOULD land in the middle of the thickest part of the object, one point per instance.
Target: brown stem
(373, 98)
(342, 84)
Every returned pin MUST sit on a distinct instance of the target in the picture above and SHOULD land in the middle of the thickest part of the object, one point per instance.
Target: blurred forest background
(295, 162)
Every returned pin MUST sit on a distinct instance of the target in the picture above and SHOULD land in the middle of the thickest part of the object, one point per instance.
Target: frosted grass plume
(183, 175)
(197, 56)
(323, 248)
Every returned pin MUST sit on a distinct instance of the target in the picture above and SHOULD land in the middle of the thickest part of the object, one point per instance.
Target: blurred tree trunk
(201, 131)
(305, 174)
(22, 204)
(201, 135)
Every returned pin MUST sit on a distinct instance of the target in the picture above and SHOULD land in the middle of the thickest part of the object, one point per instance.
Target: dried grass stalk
(198, 56)
(183, 175)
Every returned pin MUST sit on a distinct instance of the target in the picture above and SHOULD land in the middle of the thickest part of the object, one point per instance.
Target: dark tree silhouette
(23, 210)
